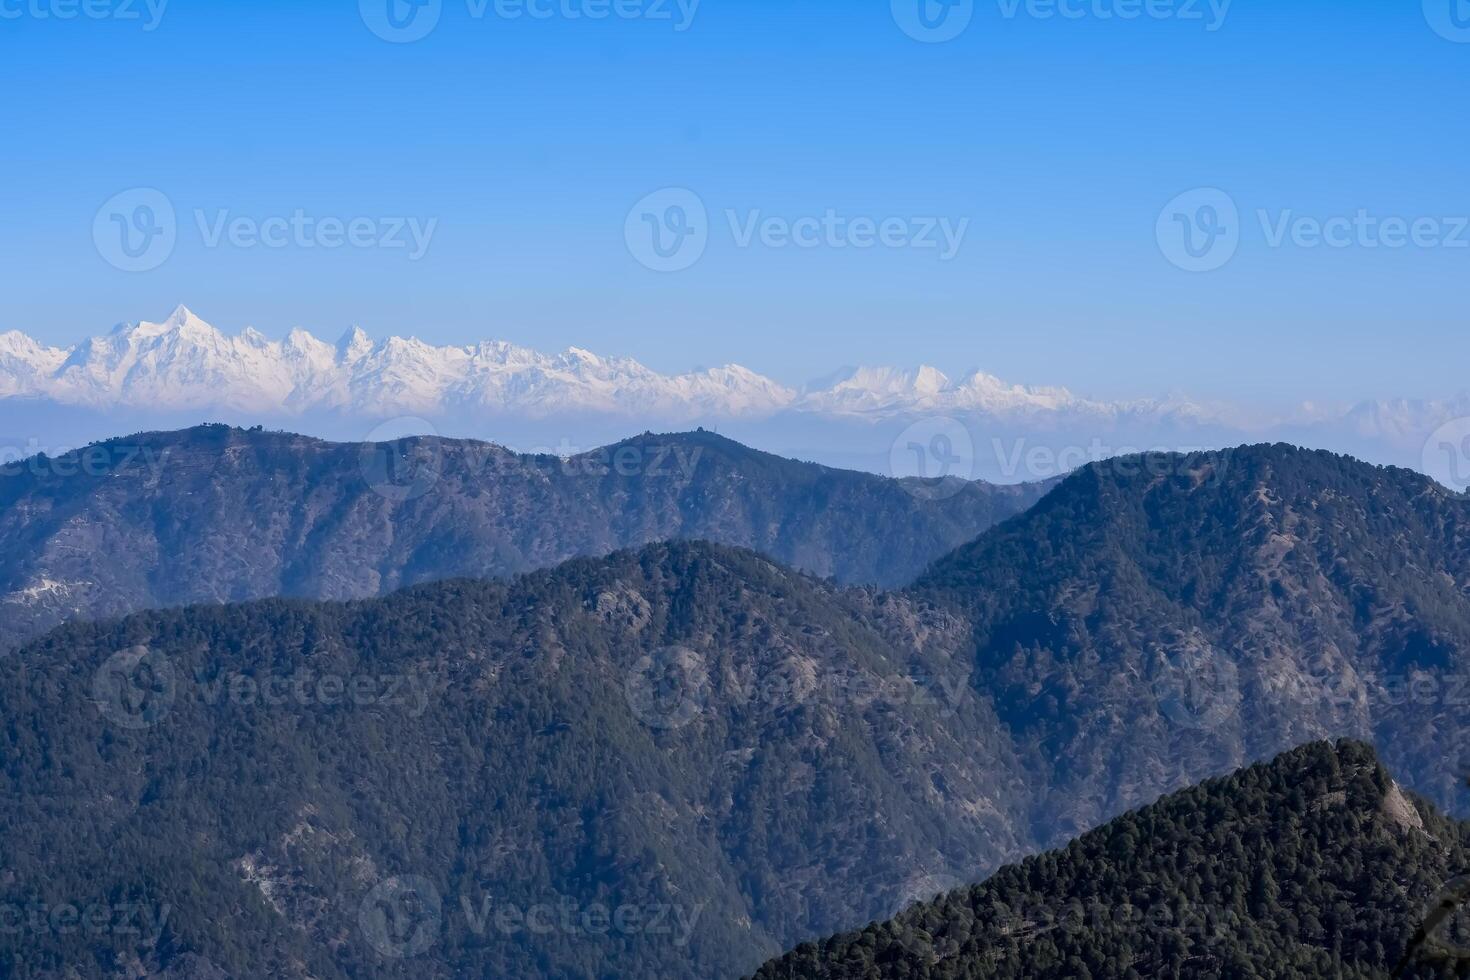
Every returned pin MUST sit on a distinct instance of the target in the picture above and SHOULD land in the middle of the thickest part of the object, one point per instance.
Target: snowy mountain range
(183, 364)
(185, 369)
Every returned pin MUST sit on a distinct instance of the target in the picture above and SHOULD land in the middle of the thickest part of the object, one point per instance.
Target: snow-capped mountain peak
(182, 363)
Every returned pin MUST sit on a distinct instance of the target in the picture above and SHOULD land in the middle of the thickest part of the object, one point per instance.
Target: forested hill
(726, 755)
(1314, 865)
(695, 728)
(1159, 618)
(220, 514)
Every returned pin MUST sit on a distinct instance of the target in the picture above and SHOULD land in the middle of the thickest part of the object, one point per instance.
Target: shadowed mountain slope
(219, 514)
(1156, 619)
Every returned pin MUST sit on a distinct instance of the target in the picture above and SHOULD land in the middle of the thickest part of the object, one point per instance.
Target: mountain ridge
(1312, 864)
(217, 513)
(183, 363)
(1150, 623)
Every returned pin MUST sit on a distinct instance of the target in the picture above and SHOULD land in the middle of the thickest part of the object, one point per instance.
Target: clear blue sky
(529, 140)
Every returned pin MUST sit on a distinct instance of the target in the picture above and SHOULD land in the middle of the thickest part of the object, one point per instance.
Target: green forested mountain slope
(689, 733)
(1157, 619)
(218, 514)
(691, 728)
(1315, 865)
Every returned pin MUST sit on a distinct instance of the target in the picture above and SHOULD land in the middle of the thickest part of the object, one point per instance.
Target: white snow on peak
(184, 363)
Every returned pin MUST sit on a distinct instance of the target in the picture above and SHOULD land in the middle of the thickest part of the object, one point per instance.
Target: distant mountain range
(217, 514)
(156, 374)
(1314, 865)
(696, 730)
(184, 363)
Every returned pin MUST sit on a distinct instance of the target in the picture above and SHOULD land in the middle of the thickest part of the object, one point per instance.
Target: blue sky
(524, 143)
